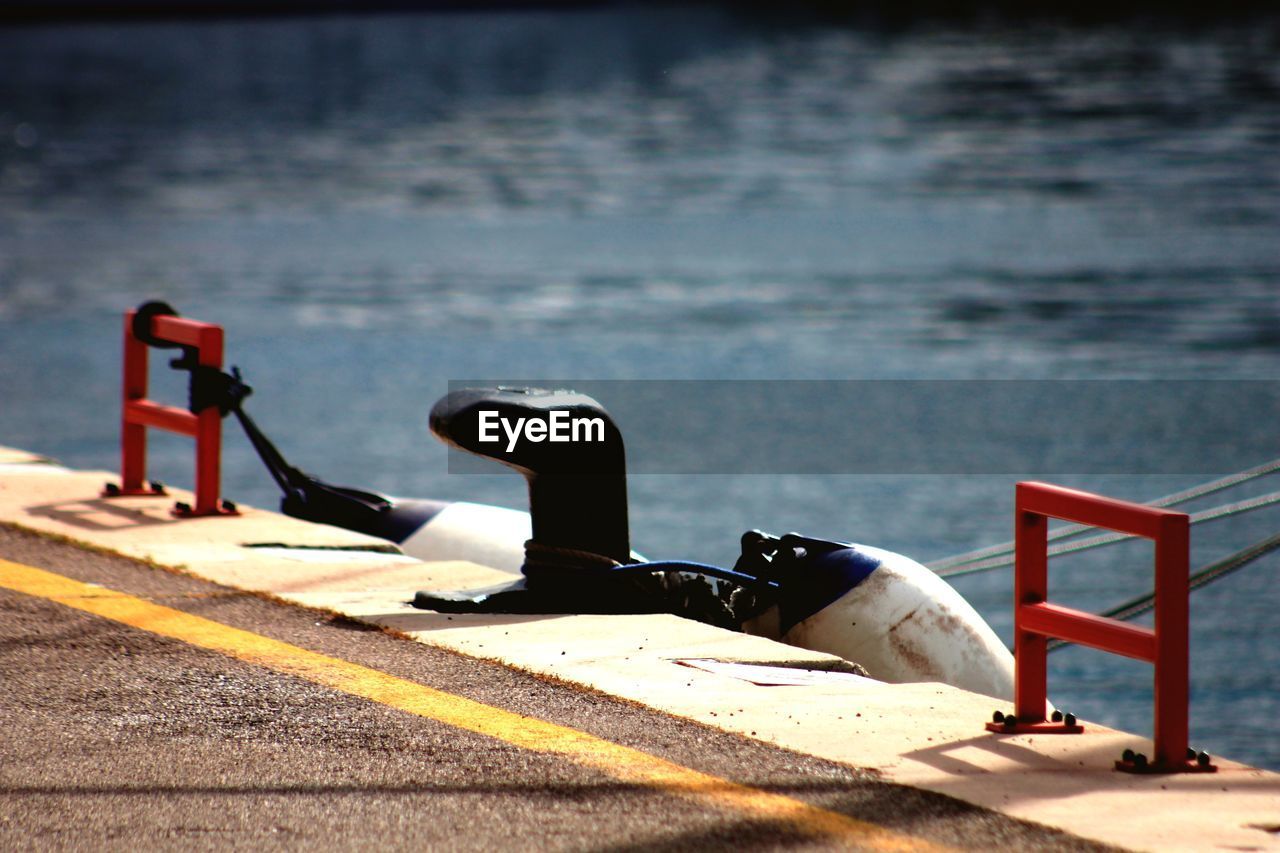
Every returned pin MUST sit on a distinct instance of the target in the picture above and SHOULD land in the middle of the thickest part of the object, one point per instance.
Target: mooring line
(1007, 558)
(944, 565)
(1214, 571)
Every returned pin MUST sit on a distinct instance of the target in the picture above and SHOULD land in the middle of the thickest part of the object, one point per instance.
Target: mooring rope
(1211, 514)
(997, 556)
(1214, 571)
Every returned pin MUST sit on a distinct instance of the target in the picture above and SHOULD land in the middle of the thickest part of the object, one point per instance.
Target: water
(373, 206)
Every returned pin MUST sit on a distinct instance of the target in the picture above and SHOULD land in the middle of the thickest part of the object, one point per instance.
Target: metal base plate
(1152, 769)
(1044, 727)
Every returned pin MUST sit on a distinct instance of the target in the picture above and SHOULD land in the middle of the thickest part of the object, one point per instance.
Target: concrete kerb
(925, 735)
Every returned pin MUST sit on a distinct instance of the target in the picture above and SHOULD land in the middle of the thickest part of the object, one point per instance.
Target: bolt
(1010, 720)
(997, 717)
(182, 507)
(1056, 716)
(228, 506)
(1070, 719)
(157, 487)
(1127, 756)
(1191, 754)
(1203, 759)
(111, 490)
(1140, 760)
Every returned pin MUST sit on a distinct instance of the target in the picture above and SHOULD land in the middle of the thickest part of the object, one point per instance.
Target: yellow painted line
(623, 763)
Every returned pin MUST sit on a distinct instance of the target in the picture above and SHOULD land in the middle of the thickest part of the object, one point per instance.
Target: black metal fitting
(577, 490)
(142, 319)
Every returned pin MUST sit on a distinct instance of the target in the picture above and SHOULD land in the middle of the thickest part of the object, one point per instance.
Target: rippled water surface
(375, 205)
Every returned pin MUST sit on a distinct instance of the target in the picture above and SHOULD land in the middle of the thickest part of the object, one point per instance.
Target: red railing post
(1172, 636)
(138, 413)
(1031, 584)
(1036, 619)
(133, 436)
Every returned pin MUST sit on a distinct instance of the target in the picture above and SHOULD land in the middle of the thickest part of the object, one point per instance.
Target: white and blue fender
(884, 611)
(492, 536)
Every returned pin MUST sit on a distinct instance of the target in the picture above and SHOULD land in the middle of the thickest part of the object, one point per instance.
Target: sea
(375, 206)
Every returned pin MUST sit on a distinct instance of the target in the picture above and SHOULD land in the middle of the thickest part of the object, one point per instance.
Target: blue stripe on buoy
(825, 579)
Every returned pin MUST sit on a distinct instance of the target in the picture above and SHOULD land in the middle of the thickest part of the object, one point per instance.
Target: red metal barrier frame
(1036, 620)
(138, 413)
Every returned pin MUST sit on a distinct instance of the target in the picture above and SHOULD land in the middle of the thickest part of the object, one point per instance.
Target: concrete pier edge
(928, 736)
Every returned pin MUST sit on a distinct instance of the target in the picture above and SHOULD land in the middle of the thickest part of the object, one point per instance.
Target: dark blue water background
(373, 206)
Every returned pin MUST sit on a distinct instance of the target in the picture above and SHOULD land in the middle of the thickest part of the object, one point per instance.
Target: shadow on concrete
(1081, 771)
(103, 514)
(341, 579)
(427, 620)
(918, 814)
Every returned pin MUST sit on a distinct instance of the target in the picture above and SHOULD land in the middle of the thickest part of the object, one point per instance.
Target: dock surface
(171, 682)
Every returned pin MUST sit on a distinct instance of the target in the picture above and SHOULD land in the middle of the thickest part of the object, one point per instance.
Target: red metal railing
(1036, 620)
(139, 413)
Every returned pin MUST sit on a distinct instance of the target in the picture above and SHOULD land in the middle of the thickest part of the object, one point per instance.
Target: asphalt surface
(115, 738)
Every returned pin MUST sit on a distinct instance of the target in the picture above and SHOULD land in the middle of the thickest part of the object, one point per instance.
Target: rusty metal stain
(903, 640)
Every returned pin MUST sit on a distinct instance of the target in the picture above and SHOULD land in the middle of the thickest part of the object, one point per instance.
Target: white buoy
(492, 536)
(902, 623)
